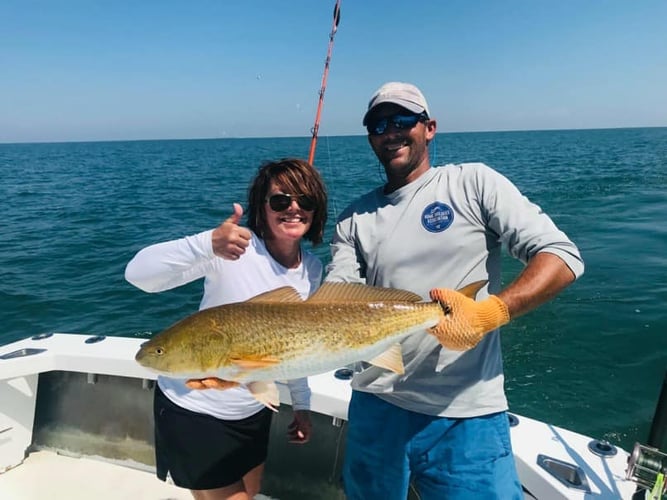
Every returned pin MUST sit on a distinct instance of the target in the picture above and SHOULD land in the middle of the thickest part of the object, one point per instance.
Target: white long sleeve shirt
(167, 265)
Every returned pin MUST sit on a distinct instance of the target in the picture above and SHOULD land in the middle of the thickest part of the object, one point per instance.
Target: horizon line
(85, 141)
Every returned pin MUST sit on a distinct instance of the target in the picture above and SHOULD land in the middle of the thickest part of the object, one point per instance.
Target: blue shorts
(453, 458)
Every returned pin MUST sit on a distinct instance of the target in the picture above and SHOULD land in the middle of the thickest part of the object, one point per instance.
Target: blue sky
(94, 70)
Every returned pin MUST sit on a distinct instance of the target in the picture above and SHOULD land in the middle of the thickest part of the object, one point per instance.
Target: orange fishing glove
(466, 321)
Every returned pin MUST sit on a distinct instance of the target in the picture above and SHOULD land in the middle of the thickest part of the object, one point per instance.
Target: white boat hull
(74, 395)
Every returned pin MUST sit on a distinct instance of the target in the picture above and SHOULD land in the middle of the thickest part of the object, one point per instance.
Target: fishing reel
(648, 467)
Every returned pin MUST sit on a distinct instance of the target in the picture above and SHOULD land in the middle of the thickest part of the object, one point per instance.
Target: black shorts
(202, 452)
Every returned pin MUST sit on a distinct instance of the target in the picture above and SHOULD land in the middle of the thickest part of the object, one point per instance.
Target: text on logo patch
(437, 217)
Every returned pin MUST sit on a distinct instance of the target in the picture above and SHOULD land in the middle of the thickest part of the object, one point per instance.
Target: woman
(214, 442)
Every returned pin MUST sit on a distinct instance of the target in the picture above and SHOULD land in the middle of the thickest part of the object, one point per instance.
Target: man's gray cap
(403, 94)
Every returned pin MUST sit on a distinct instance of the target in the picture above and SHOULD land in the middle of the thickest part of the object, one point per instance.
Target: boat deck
(46, 474)
(95, 402)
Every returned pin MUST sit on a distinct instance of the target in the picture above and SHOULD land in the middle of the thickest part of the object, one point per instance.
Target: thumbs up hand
(230, 240)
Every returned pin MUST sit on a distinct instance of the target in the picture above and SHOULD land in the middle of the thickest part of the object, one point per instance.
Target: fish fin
(391, 359)
(266, 393)
(253, 363)
(333, 292)
(282, 294)
(471, 290)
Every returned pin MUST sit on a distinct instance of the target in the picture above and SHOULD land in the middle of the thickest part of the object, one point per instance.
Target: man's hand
(466, 321)
(300, 429)
(230, 240)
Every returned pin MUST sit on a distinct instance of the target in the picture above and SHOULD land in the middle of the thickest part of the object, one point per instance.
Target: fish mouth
(139, 355)
(140, 358)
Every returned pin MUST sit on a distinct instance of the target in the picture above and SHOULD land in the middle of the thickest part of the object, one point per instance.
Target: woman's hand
(210, 383)
(230, 240)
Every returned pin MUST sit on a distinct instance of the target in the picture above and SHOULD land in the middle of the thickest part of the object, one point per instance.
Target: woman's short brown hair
(294, 176)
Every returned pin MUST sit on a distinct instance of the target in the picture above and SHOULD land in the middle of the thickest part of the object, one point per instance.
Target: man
(443, 424)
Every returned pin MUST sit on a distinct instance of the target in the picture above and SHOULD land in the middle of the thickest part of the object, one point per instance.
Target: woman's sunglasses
(279, 202)
(399, 121)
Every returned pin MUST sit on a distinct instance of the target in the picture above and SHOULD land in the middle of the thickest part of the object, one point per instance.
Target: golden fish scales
(286, 330)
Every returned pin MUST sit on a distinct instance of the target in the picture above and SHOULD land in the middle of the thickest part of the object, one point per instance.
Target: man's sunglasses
(399, 122)
(279, 202)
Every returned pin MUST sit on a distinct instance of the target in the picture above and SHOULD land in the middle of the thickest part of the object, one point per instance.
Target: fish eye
(159, 351)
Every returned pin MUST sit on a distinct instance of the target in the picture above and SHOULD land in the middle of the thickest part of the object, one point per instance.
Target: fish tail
(453, 331)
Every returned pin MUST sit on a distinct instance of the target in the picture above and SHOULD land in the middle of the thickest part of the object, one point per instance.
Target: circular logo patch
(437, 217)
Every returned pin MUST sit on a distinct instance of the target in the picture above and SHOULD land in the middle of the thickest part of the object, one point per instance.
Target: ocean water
(592, 360)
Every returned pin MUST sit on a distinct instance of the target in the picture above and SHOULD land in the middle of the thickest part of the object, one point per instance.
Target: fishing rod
(316, 127)
(647, 465)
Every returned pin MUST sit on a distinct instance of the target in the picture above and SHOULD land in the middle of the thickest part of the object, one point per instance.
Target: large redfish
(278, 336)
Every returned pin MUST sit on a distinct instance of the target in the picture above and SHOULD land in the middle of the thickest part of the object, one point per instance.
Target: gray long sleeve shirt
(444, 230)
